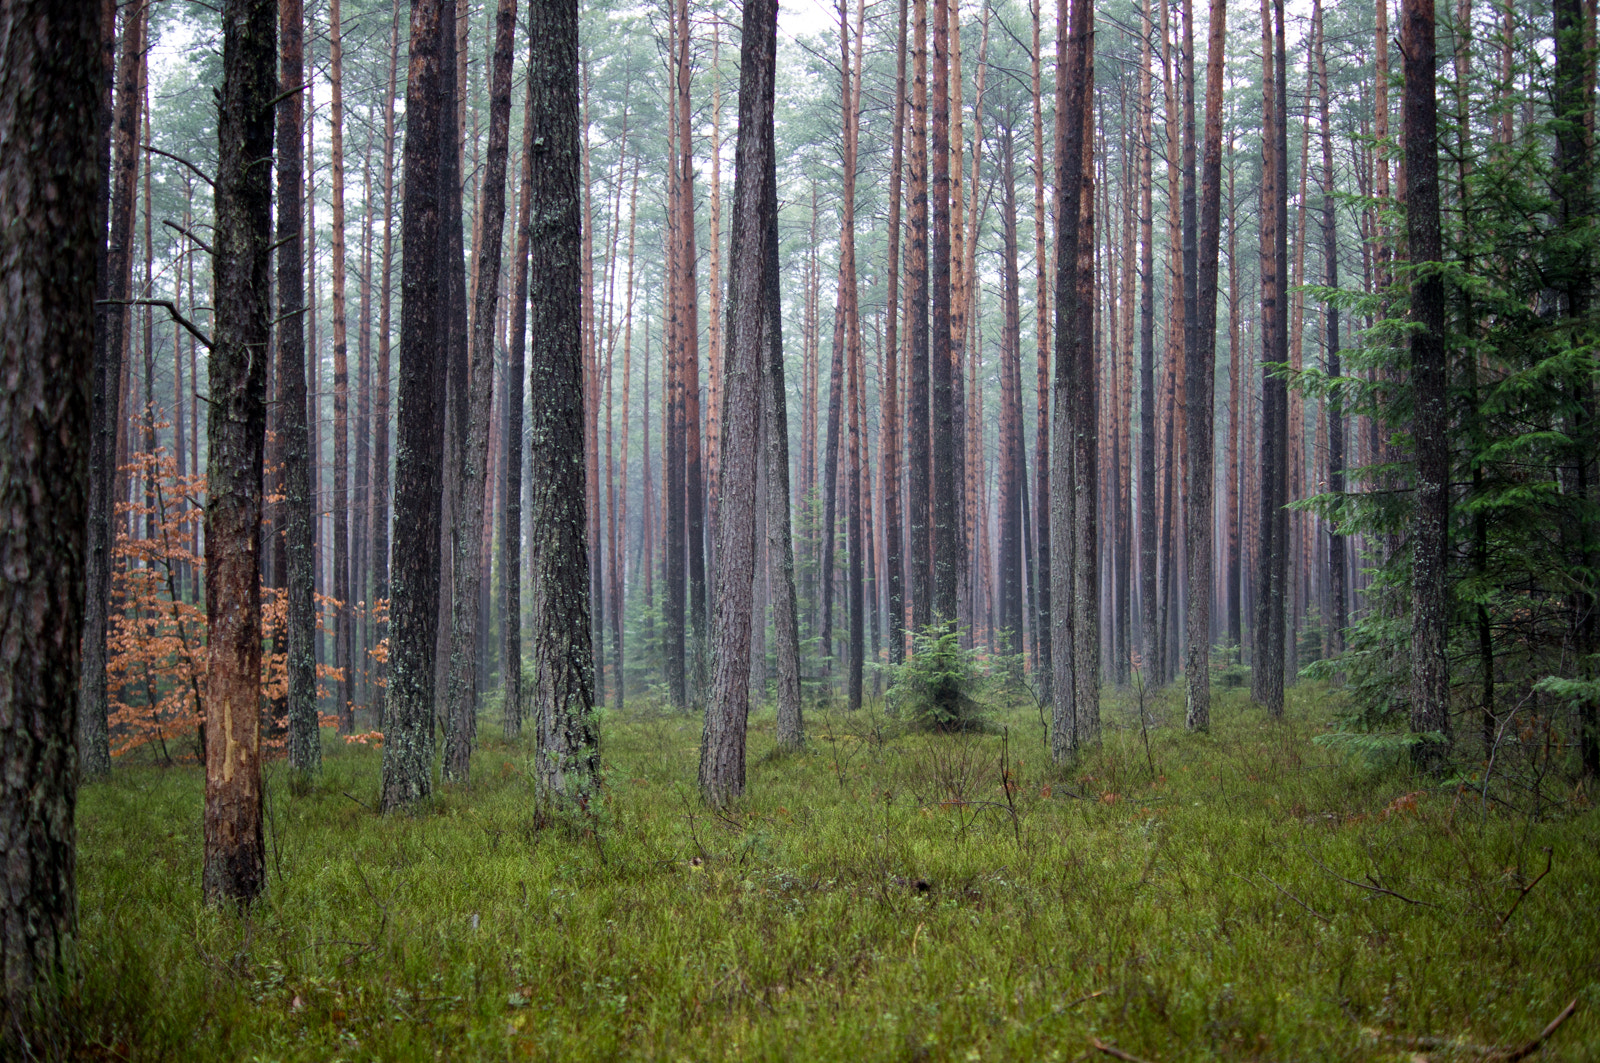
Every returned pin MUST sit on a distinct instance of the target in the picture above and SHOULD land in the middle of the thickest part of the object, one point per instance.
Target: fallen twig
(1114, 1052)
(1549, 859)
(1374, 888)
(1297, 900)
(1544, 1035)
(1086, 997)
(1486, 1053)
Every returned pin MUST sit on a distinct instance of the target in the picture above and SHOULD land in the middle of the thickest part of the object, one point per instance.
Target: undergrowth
(1241, 894)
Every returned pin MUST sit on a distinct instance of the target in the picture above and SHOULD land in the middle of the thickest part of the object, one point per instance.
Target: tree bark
(943, 442)
(916, 411)
(1430, 673)
(380, 413)
(419, 434)
(516, 422)
(305, 747)
(1069, 491)
(569, 753)
(51, 109)
(1202, 353)
(467, 532)
(1338, 576)
(111, 314)
(722, 747)
(235, 852)
(889, 444)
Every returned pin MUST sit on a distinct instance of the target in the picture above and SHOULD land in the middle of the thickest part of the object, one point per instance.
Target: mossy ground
(880, 896)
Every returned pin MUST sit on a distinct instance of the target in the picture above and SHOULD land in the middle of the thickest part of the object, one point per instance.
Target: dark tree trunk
(1071, 481)
(945, 514)
(1149, 635)
(419, 437)
(1338, 575)
(851, 321)
(467, 531)
(722, 747)
(339, 505)
(1430, 674)
(305, 747)
(1574, 104)
(1041, 451)
(889, 433)
(916, 411)
(516, 370)
(235, 851)
(1013, 484)
(1202, 354)
(94, 747)
(1267, 634)
(775, 444)
(380, 414)
(569, 753)
(51, 89)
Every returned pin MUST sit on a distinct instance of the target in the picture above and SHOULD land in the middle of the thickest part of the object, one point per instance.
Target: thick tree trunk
(1338, 575)
(889, 445)
(943, 442)
(467, 532)
(1430, 673)
(569, 752)
(516, 421)
(1150, 637)
(305, 746)
(1202, 352)
(916, 411)
(1074, 317)
(1041, 450)
(775, 443)
(419, 434)
(51, 88)
(111, 316)
(380, 412)
(722, 747)
(339, 503)
(235, 850)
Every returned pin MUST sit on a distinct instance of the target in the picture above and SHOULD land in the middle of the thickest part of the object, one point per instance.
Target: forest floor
(1243, 894)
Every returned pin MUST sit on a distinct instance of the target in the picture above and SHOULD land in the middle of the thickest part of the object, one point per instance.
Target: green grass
(878, 897)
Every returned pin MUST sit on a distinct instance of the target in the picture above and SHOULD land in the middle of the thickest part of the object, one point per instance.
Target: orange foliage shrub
(156, 667)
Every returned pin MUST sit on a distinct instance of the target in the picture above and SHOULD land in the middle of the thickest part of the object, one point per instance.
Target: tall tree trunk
(419, 443)
(946, 532)
(1234, 510)
(111, 316)
(1430, 673)
(569, 752)
(851, 351)
(674, 431)
(51, 111)
(1338, 577)
(1041, 450)
(1202, 353)
(1150, 637)
(235, 849)
(1013, 484)
(305, 745)
(1574, 103)
(916, 412)
(689, 341)
(722, 747)
(467, 533)
(889, 444)
(1071, 482)
(339, 504)
(380, 415)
